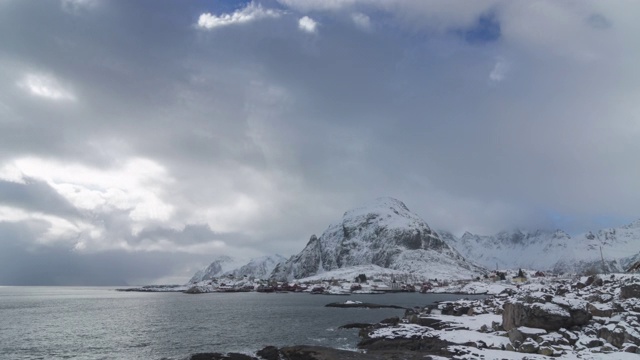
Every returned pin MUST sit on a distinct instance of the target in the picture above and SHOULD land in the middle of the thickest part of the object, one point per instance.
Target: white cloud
(251, 12)
(45, 86)
(308, 24)
(12, 173)
(136, 186)
(499, 71)
(362, 21)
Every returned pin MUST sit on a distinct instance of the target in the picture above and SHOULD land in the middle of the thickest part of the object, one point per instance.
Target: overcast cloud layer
(140, 139)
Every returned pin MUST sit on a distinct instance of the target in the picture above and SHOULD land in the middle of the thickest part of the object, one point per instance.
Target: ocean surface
(101, 323)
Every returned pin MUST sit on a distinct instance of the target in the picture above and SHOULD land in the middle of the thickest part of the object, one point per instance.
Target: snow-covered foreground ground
(587, 318)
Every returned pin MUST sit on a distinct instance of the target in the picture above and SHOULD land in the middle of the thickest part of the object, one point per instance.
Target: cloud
(439, 16)
(499, 71)
(311, 5)
(251, 12)
(308, 24)
(76, 6)
(182, 145)
(362, 21)
(45, 86)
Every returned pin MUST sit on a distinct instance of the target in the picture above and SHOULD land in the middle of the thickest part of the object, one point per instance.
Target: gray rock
(543, 316)
(546, 350)
(594, 343)
(269, 353)
(630, 348)
(529, 347)
(515, 335)
(496, 326)
(630, 291)
(595, 311)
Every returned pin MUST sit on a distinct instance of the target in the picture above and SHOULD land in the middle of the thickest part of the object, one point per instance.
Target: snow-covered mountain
(552, 250)
(383, 233)
(218, 266)
(259, 268)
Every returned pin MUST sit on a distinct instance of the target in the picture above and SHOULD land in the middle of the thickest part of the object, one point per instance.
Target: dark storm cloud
(60, 265)
(35, 195)
(146, 136)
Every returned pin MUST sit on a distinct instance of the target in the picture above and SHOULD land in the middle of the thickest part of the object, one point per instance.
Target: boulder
(546, 316)
(496, 326)
(269, 353)
(592, 343)
(571, 337)
(614, 337)
(546, 351)
(599, 310)
(630, 348)
(630, 291)
(515, 335)
(529, 347)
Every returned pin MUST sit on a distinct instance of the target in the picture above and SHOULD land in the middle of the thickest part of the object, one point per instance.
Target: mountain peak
(219, 265)
(384, 212)
(382, 232)
(381, 204)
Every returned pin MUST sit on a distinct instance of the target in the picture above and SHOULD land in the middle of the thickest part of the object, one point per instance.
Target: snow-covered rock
(383, 233)
(488, 328)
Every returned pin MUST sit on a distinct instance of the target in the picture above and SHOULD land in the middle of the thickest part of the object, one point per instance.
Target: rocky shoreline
(595, 317)
(306, 352)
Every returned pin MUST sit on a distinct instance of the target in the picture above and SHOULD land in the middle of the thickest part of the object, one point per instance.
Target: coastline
(593, 317)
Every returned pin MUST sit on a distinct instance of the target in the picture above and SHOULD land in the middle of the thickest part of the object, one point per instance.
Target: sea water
(101, 323)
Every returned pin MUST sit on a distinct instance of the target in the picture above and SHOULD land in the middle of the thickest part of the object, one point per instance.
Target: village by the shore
(362, 283)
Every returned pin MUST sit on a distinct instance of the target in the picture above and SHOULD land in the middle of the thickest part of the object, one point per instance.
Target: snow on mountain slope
(383, 233)
(218, 266)
(259, 268)
(552, 250)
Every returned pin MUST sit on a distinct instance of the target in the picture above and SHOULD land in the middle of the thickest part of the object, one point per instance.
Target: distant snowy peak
(259, 268)
(552, 250)
(383, 233)
(633, 225)
(217, 267)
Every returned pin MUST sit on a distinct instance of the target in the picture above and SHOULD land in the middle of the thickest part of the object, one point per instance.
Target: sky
(141, 139)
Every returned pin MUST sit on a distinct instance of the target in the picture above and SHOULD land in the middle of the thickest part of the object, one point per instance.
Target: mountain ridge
(553, 250)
